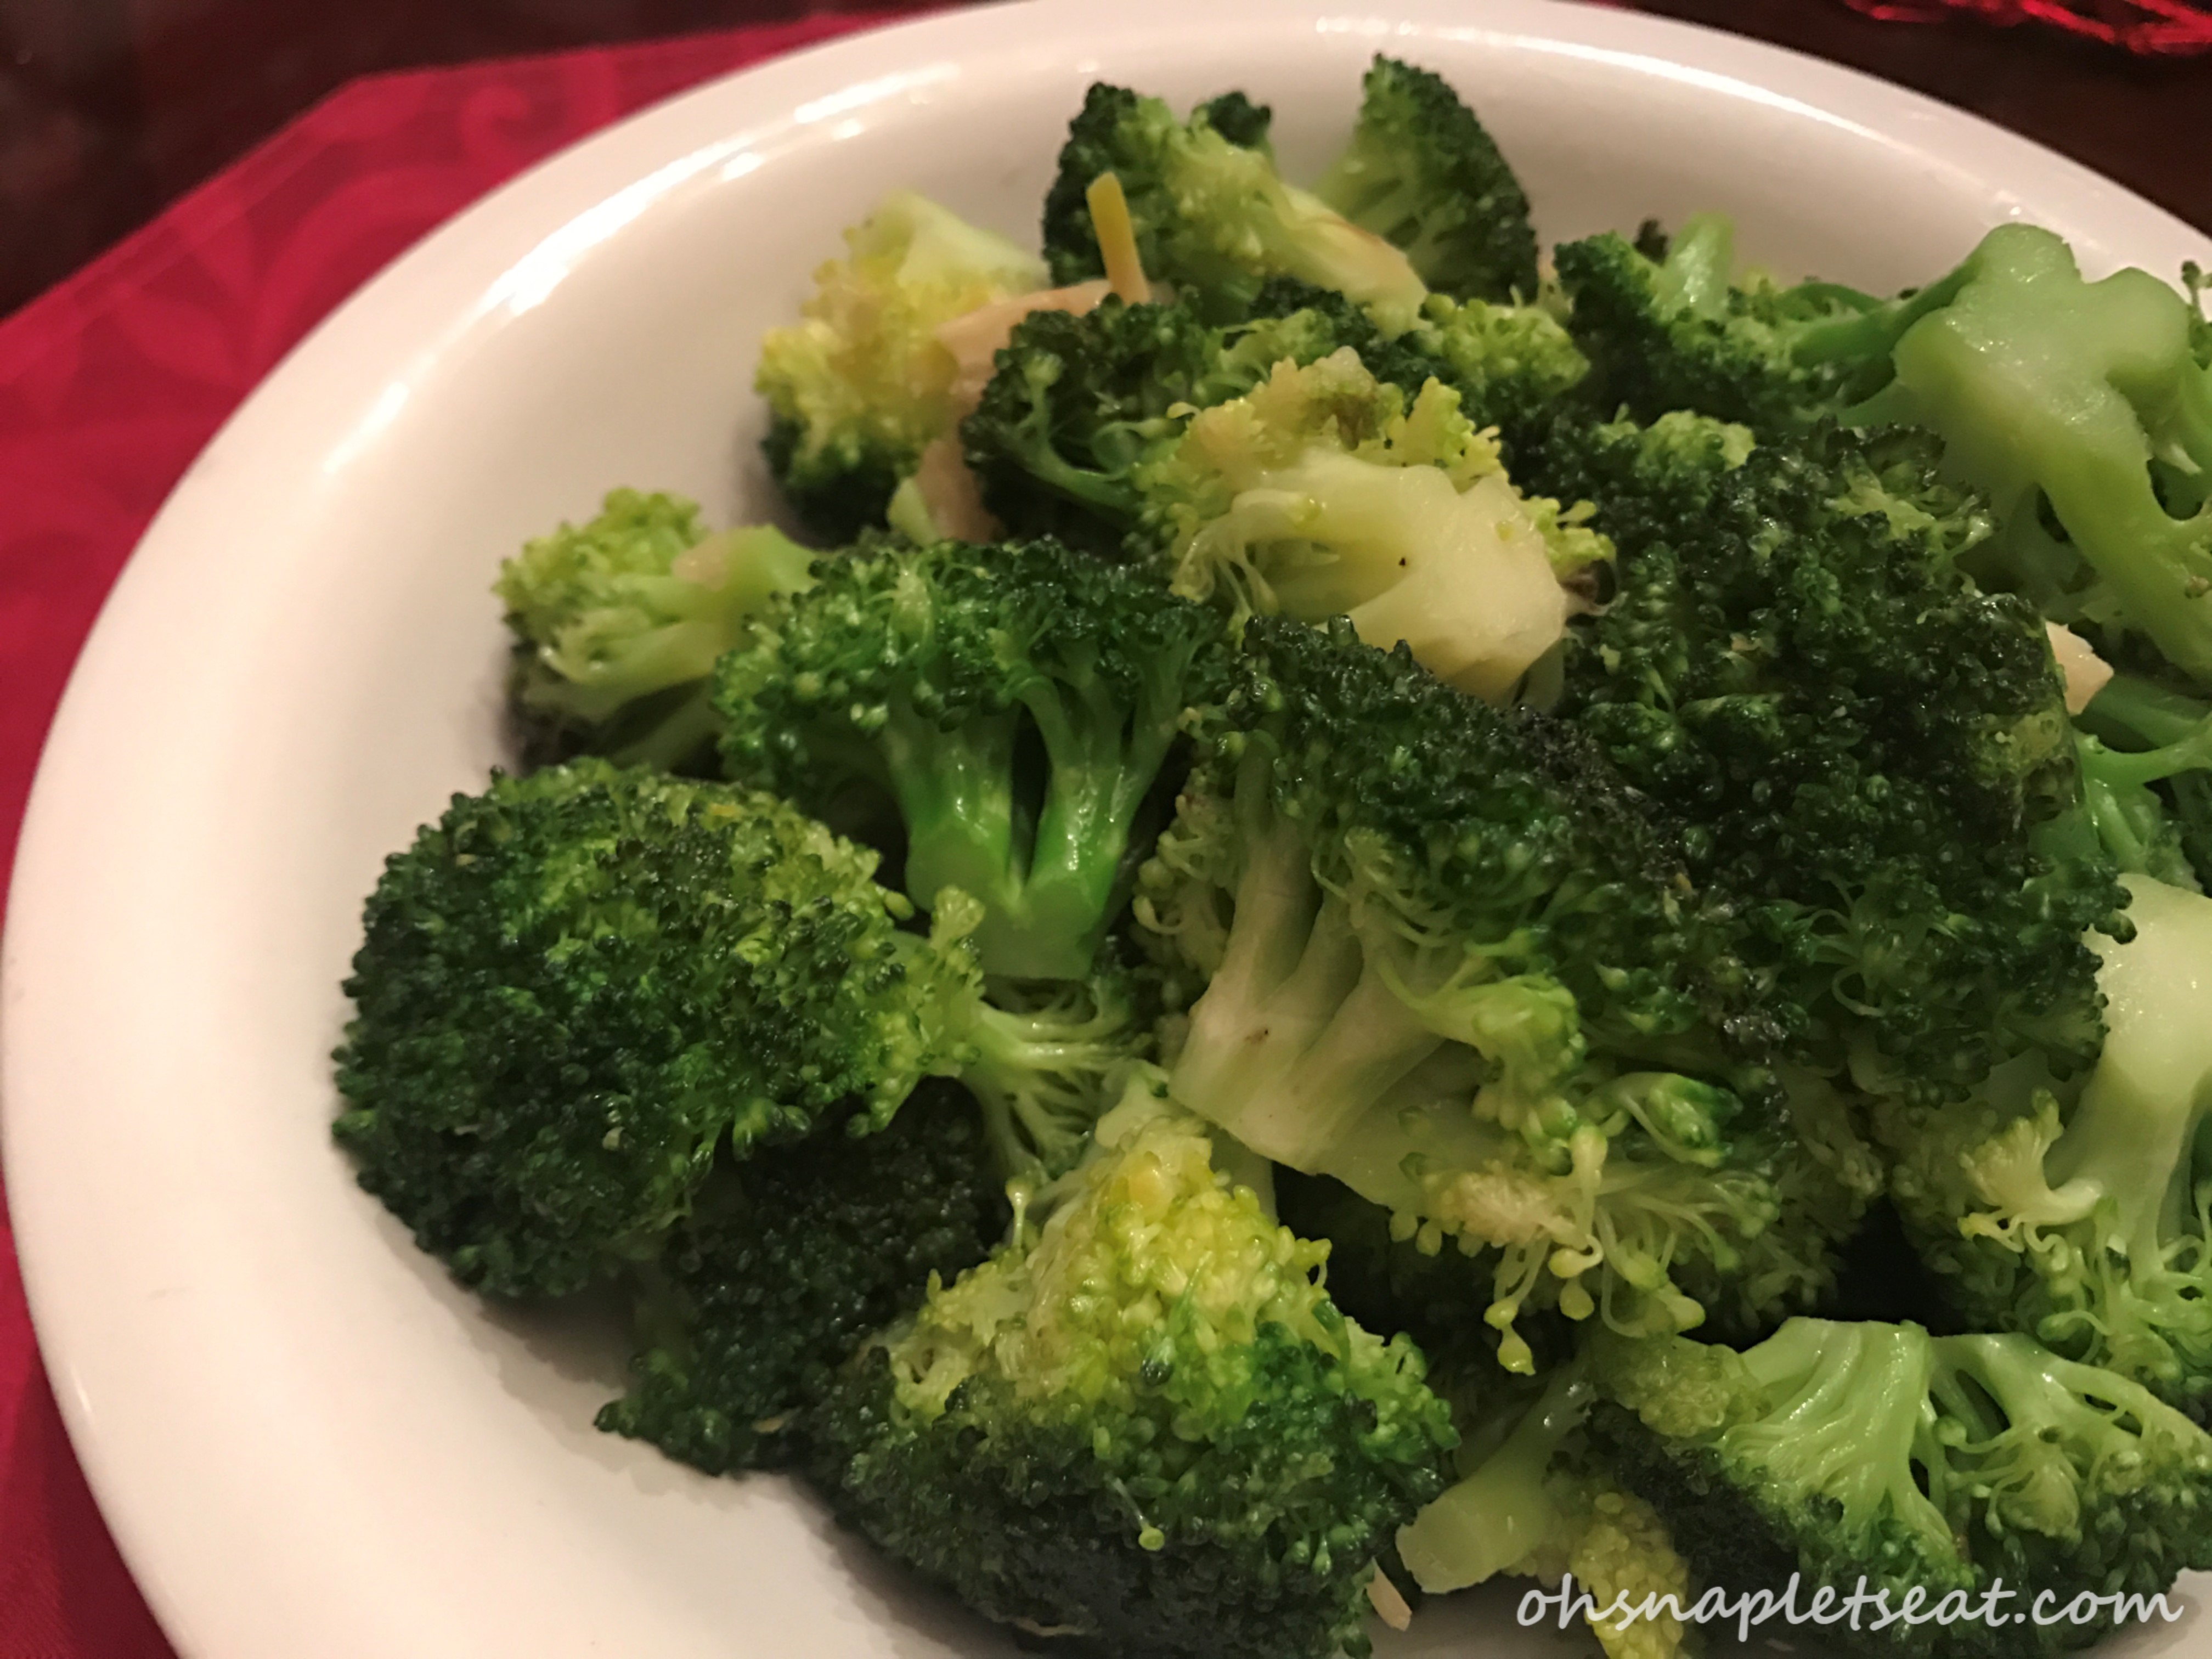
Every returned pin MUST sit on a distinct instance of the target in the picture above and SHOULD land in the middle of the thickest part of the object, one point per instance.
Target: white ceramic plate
(307, 1440)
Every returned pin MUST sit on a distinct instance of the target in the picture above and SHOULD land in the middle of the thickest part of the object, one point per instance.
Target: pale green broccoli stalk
(1443, 958)
(1870, 1456)
(1421, 174)
(617, 624)
(2138, 736)
(1143, 1422)
(2088, 1227)
(2048, 391)
(862, 384)
(1326, 492)
(1532, 1503)
(1212, 215)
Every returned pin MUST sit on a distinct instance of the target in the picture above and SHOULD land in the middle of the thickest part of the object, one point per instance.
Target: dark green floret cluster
(1380, 913)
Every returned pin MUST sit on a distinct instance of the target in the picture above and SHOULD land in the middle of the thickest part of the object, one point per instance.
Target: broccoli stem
(955, 790)
(2132, 710)
(1694, 277)
(1499, 1516)
(1297, 1034)
(2132, 1138)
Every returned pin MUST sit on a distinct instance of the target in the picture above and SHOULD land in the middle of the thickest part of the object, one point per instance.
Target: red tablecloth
(109, 385)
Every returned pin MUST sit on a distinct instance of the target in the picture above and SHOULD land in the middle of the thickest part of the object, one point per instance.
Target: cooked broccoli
(1326, 492)
(1079, 405)
(2079, 1212)
(1872, 754)
(2139, 736)
(862, 384)
(580, 988)
(617, 624)
(1077, 401)
(1144, 1423)
(1676, 333)
(788, 1260)
(1933, 1472)
(1015, 701)
(1212, 215)
(2085, 398)
(1533, 1503)
(1421, 174)
(1443, 955)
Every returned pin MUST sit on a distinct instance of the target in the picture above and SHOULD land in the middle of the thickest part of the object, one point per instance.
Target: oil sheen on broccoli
(1442, 955)
(1014, 703)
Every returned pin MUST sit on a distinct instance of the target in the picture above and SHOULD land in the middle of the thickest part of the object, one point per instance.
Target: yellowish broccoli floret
(1326, 492)
(862, 383)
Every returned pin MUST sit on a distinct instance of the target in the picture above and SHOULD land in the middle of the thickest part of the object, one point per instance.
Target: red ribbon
(2160, 29)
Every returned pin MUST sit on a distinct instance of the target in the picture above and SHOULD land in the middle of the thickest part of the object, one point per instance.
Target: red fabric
(2155, 28)
(109, 385)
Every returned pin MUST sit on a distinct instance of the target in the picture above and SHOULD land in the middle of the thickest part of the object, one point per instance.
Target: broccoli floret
(2051, 393)
(1872, 754)
(788, 1260)
(2079, 1214)
(1080, 404)
(1445, 958)
(2146, 766)
(577, 986)
(1212, 215)
(1939, 1469)
(1675, 332)
(1077, 401)
(1144, 1424)
(1531, 1502)
(862, 384)
(1326, 492)
(1421, 174)
(580, 990)
(617, 623)
(1015, 703)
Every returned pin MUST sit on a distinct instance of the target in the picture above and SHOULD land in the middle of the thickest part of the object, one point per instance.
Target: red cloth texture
(109, 384)
(2154, 28)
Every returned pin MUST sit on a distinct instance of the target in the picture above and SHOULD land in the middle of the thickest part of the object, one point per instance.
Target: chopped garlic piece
(1117, 238)
(2085, 670)
(949, 494)
(1389, 1604)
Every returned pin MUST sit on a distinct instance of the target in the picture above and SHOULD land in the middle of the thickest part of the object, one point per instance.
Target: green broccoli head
(1939, 1465)
(577, 986)
(1081, 404)
(788, 1260)
(2077, 1212)
(1144, 1424)
(1869, 753)
(1077, 401)
(861, 384)
(1421, 174)
(1444, 956)
(1015, 703)
(1675, 332)
(1325, 491)
(2147, 778)
(617, 623)
(1211, 214)
(2083, 400)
